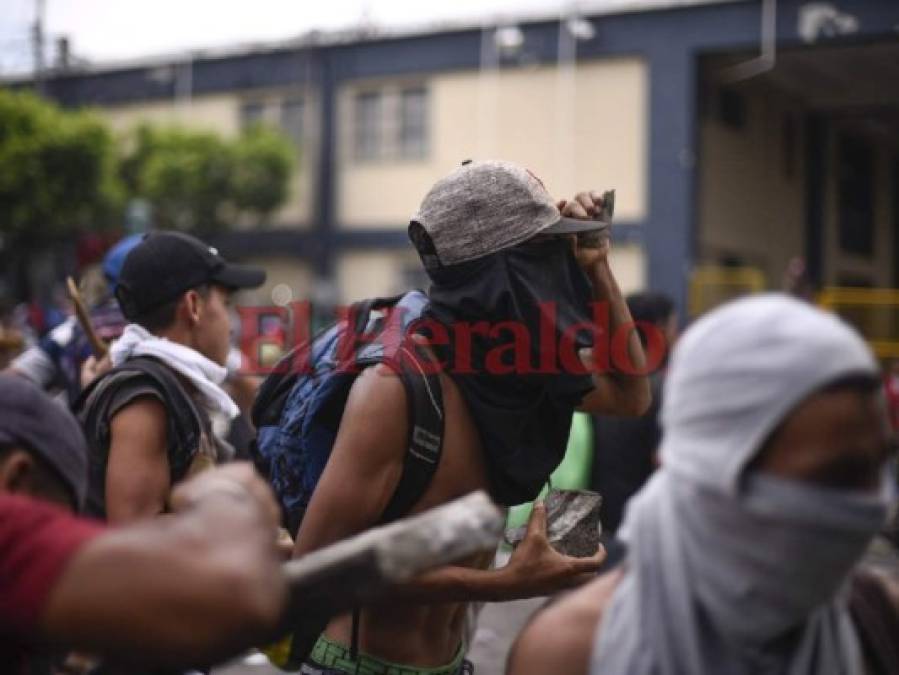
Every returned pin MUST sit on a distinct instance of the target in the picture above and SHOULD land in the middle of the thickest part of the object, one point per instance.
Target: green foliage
(185, 177)
(57, 170)
(61, 172)
(263, 164)
(198, 181)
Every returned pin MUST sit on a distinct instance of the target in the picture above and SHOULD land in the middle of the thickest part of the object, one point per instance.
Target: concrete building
(738, 133)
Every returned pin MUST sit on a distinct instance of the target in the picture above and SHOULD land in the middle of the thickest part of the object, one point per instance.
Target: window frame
(368, 134)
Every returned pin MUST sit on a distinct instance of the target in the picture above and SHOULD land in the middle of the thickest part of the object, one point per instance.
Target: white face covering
(732, 572)
(775, 555)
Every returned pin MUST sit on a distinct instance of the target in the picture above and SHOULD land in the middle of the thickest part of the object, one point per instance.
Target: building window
(413, 123)
(292, 119)
(251, 113)
(368, 126)
(856, 196)
(390, 124)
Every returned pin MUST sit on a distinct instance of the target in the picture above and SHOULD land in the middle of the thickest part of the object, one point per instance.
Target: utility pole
(37, 43)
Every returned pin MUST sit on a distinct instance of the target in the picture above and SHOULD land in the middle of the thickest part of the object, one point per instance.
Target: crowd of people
(146, 511)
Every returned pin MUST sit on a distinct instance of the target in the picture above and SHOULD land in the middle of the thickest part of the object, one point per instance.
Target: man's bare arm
(360, 478)
(179, 590)
(137, 471)
(534, 569)
(365, 464)
(617, 391)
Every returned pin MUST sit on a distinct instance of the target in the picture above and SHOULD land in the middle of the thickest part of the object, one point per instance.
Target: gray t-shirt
(190, 441)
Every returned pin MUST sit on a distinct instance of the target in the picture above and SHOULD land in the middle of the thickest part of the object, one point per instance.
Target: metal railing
(712, 285)
(873, 311)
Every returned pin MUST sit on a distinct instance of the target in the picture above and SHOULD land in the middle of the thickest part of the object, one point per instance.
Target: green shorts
(329, 657)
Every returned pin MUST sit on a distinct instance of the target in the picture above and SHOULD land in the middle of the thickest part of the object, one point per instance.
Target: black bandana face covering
(516, 320)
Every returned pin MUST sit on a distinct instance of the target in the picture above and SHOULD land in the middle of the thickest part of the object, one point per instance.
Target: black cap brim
(238, 276)
(575, 225)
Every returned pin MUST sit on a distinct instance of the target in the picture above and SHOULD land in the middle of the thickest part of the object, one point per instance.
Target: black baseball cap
(166, 264)
(33, 421)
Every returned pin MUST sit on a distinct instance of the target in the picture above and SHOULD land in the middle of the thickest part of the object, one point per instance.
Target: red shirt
(37, 540)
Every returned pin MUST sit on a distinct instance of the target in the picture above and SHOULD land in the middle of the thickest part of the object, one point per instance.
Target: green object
(572, 474)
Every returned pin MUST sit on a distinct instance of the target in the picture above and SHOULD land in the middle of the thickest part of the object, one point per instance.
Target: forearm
(127, 509)
(534, 570)
(627, 361)
(172, 591)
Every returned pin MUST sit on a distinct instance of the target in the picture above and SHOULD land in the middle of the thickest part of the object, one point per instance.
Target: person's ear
(193, 306)
(17, 473)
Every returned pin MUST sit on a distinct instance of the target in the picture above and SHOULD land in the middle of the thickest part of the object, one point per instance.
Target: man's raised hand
(587, 206)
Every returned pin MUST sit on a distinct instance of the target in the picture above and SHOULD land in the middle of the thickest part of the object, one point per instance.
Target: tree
(58, 172)
(198, 181)
(263, 165)
(62, 173)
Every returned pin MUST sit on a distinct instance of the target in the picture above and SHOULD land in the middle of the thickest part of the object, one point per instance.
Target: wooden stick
(97, 345)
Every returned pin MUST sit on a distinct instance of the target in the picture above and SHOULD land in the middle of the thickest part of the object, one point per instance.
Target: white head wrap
(724, 563)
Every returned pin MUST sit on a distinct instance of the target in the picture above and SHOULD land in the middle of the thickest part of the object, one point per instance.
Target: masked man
(774, 479)
(510, 310)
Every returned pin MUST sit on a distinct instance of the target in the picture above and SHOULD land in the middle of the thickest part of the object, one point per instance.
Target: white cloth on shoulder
(201, 372)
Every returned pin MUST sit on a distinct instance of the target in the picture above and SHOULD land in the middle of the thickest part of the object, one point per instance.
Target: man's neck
(177, 334)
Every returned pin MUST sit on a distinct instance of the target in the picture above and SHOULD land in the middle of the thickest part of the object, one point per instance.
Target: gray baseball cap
(487, 206)
(35, 422)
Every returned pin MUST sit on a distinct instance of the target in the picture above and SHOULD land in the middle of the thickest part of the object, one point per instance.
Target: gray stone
(572, 522)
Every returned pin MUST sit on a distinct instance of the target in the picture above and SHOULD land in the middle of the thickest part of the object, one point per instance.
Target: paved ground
(497, 628)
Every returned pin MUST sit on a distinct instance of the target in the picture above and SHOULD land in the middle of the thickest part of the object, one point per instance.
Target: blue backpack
(299, 407)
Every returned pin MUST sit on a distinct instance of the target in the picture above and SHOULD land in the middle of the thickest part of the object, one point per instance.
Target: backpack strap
(426, 421)
(424, 397)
